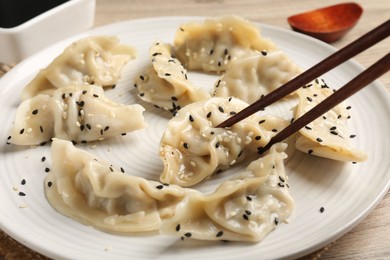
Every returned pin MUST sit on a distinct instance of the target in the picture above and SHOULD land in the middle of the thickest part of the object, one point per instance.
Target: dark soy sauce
(16, 12)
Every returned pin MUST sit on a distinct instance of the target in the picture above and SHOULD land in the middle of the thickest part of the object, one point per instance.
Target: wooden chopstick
(360, 81)
(364, 42)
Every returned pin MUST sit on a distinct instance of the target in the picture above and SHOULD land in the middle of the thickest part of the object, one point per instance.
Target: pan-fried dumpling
(192, 148)
(327, 136)
(165, 84)
(212, 44)
(76, 113)
(95, 60)
(252, 77)
(245, 208)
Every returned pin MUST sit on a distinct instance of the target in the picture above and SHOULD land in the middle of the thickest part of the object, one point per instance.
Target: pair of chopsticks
(360, 81)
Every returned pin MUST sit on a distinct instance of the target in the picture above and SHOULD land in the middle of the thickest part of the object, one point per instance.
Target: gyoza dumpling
(165, 83)
(103, 196)
(212, 44)
(252, 77)
(327, 136)
(192, 148)
(76, 113)
(245, 208)
(95, 60)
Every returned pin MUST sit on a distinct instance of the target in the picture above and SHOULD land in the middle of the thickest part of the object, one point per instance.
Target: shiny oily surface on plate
(341, 189)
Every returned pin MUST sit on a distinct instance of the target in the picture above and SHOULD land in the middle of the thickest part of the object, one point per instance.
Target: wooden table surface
(371, 238)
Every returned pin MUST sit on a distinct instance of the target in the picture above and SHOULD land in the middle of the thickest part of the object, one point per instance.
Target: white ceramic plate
(347, 191)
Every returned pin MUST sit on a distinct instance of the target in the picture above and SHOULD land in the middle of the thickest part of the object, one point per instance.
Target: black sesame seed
(219, 234)
(111, 169)
(280, 184)
(141, 94)
(308, 127)
(309, 99)
(82, 127)
(186, 145)
(218, 82)
(159, 187)
(281, 179)
(142, 77)
(43, 159)
(156, 53)
(83, 141)
(88, 126)
(21, 193)
(41, 128)
(208, 114)
(333, 128)
(248, 212)
(217, 145)
(240, 153)
(188, 234)
(319, 140)
(258, 137)
(101, 132)
(211, 51)
(232, 113)
(348, 107)
(70, 94)
(23, 182)
(174, 98)
(221, 109)
(47, 169)
(274, 130)
(42, 144)
(21, 131)
(34, 112)
(264, 53)
(123, 134)
(310, 151)
(122, 170)
(276, 221)
(245, 216)
(261, 121)
(191, 118)
(167, 74)
(212, 132)
(219, 63)
(334, 133)
(84, 92)
(339, 116)
(248, 198)
(49, 184)
(226, 51)
(322, 209)
(63, 96)
(352, 136)
(178, 227)
(106, 128)
(95, 95)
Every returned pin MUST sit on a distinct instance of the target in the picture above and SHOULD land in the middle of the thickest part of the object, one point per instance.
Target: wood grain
(369, 239)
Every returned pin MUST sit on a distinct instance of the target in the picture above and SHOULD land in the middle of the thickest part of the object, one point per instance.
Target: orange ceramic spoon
(329, 23)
